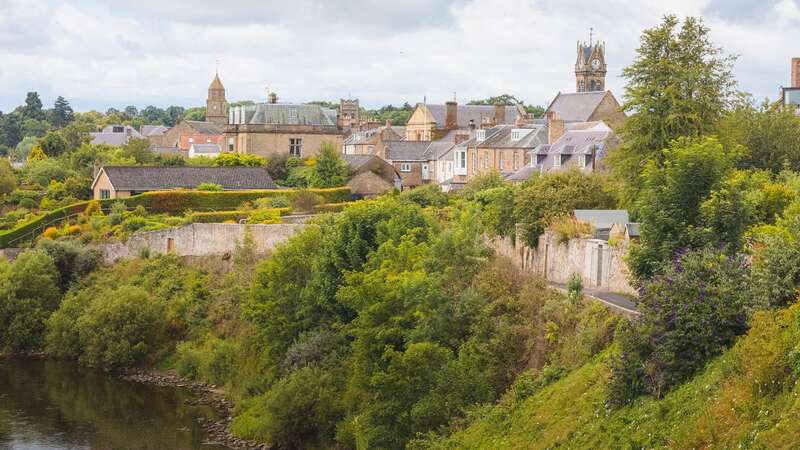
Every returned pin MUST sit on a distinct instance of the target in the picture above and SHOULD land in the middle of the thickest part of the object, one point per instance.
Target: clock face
(595, 63)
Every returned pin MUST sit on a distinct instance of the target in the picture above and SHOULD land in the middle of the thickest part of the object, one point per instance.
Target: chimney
(555, 127)
(471, 124)
(499, 113)
(388, 123)
(796, 72)
(272, 98)
(451, 115)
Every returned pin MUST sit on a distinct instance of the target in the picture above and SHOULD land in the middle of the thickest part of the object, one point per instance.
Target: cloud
(113, 53)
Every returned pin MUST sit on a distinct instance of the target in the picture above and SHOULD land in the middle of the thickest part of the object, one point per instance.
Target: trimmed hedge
(331, 207)
(180, 200)
(222, 216)
(177, 201)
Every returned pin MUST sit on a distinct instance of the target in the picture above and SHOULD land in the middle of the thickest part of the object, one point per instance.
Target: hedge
(180, 200)
(222, 216)
(331, 207)
(177, 201)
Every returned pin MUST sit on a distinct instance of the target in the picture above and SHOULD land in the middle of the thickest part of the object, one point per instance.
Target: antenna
(454, 96)
(217, 67)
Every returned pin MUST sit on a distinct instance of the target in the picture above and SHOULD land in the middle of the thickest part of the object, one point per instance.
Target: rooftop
(144, 178)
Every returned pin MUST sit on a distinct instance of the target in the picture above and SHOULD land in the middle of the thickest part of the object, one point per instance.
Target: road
(621, 302)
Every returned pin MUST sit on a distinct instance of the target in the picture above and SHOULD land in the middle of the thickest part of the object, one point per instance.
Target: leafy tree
(153, 115)
(504, 99)
(23, 149)
(10, 129)
(61, 114)
(8, 181)
(37, 154)
(195, 113)
(139, 150)
(34, 127)
(671, 198)
(28, 294)
(172, 115)
(131, 111)
(689, 315)
(330, 169)
(53, 144)
(769, 135)
(679, 85)
(544, 198)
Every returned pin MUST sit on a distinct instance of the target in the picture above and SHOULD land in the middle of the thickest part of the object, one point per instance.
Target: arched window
(581, 86)
(592, 86)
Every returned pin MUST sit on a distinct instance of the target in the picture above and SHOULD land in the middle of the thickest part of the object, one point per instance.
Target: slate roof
(633, 229)
(205, 127)
(578, 106)
(407, 150)
(283, 114)
(355, 162)
(467, 112)
(601, 219)
(216, 83)
(524, 173)
(153, 130)
(109, 137)
(501, 137)
(206, 148)
(144, 178)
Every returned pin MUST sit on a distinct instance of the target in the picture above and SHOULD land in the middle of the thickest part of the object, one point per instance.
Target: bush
(134, 223)
(210, 187)
(330, 169)
(688, 315)
(280, 201)
(237, 159)
(428, 195)
(306, 201)
(264, 216)
(566, 228)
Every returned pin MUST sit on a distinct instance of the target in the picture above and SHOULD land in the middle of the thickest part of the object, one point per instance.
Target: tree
(679, 85)
(8, 181)
(153, 115)
(53, 144)
(23, 149)
(544, 198)
(34, 127)
(33, 107)
(37, 154)
(670, 202)
(770, 135)
(330, 169)
(172, 115)
(139, 150)
(62, 113)
(237, 159)
(195, 113)
(503, 99)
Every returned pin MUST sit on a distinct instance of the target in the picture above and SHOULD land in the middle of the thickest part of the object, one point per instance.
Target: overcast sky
(100, 54)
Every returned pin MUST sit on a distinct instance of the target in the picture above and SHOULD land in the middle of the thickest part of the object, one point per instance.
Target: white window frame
(485, 160)
(582, 161)
(405, 167)
(557, 160)
(475, 161)
(480, 135)
(296, 147)
(500, 160)
(105, 194)
(516, 161)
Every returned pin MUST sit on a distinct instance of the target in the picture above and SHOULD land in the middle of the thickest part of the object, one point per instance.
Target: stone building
(266, 129)
(371, 141)
(503, 148)
(188, 132)
(587, 107)
(371, 175)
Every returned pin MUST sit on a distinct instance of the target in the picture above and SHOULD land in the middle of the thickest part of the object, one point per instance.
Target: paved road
(621, 302)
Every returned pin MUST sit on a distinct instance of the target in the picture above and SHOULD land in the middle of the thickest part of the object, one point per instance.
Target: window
(480, 135)
(582, 161)
(118, 129)
(370, 149)
(191, 140)
(516, 161)
(292, 113)
(474, 161)
(230, 145)
(485, 160)
(405, 167)
(500, 165)
(105, 194)
(557, 161)
(461, 160)
(295, 146)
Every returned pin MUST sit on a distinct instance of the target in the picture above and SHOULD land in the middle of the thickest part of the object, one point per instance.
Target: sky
(113, 53)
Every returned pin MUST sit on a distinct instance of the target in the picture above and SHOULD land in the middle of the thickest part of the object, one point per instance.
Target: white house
(209, 150)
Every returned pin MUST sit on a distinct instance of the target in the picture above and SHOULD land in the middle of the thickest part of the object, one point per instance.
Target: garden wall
(198, 239)
(600, 265)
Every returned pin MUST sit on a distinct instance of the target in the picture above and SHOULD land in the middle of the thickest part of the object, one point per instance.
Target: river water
(57, 405)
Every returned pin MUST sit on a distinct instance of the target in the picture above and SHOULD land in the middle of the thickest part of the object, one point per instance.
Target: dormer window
(519, 133)
(557, 160)
(582, 161)
(480, 135)
(118, 130)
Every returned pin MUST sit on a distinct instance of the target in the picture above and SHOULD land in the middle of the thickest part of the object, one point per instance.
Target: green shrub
(305, 201)
(134, 223)
(428, 195)
(28, 203)
(264, 216)
(280, 201)
(210, 187)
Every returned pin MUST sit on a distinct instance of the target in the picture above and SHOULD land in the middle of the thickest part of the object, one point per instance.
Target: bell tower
(590, 66)
(215, 103)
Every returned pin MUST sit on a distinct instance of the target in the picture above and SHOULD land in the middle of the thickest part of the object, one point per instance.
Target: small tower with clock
(590, 67)
(215, 104)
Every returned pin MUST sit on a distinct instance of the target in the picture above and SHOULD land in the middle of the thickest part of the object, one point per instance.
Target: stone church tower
(215, 104)
(590, 67)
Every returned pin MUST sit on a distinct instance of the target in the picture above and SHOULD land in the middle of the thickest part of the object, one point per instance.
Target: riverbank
(219, 431)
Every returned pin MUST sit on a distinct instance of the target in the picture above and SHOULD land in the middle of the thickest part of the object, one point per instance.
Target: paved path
(620, 302)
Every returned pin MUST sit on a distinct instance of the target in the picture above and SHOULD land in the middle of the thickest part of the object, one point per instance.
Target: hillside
(745, 398)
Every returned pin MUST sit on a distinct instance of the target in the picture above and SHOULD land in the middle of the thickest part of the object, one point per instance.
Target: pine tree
(33, 107)
(62, 113)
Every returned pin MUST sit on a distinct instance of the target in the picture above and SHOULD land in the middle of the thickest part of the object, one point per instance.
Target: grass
(746, 398)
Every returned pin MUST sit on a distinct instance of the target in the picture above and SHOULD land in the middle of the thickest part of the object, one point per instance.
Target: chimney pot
(499, 113)
(555, 127)
(451, 115)
(796, 72)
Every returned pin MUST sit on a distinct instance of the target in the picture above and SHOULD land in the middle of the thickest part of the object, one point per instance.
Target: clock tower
(215, 104)
(590, 67)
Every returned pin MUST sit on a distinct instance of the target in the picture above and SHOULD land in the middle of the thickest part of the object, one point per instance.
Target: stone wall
(198, 239)
(600, 265)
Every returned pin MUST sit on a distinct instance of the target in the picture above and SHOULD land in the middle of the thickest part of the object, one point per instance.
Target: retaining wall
(600, 265)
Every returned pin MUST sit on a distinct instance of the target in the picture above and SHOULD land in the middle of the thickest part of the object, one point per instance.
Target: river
(57, 405)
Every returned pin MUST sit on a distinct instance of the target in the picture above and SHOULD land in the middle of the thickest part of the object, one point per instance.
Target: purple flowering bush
(690, 313)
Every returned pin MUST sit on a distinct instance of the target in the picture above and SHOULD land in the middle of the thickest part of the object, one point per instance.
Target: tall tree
(33, 107)
(679, 85)
(62, 113)
(330, 169)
